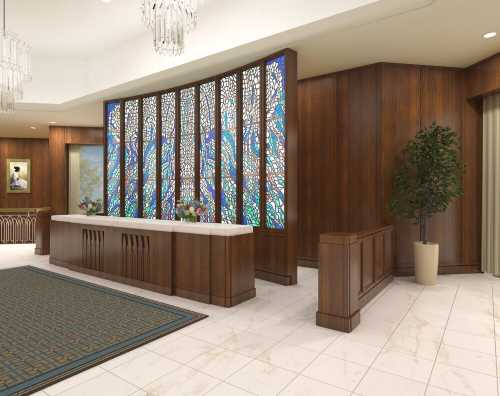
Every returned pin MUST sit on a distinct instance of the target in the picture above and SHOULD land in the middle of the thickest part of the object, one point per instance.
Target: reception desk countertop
(158, 225)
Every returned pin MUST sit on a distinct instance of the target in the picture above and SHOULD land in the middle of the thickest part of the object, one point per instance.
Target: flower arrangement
(190, 210)
(91, 207)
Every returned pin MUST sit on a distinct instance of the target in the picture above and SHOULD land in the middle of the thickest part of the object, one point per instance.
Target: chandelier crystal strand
(170, 21)
(15, 67)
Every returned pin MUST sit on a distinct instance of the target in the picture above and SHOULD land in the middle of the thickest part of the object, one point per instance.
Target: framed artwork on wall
(18, 175)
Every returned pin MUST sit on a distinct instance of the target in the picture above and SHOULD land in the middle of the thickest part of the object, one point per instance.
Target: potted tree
(426, 182)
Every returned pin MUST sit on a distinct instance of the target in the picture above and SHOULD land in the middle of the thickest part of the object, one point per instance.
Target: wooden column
(42, 231)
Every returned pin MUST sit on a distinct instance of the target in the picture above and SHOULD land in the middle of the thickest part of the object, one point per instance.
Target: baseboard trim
(370, 294)
(308, 263)
(443, 270)
(285, 280)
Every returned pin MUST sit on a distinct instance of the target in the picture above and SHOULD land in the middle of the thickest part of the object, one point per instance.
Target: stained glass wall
(113, 174)
(207, 149)
(131, 158)
(251, 146)
(187, 150)
(275, 142)
(168, 149)
(149, 157)
(238, 141)
(228, 148)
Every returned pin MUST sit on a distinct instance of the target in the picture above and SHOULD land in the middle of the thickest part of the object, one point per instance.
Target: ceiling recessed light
(106, 1)
(33, 127)
(490, 35)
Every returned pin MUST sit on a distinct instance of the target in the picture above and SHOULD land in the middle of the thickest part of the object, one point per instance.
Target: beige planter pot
(426, 262)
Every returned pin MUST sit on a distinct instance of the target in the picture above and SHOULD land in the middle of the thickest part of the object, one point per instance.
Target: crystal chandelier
(170, 21)
(15, 67)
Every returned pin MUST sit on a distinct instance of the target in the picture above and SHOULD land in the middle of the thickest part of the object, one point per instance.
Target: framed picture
(18, 175)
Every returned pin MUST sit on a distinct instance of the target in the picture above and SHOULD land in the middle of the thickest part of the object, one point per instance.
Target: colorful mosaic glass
(228, 148)
(207, 149)
(149, 157)
(113, 158)
(187, 143)
(168, 156)
(131, 158)
(275, 142)
(251, 146)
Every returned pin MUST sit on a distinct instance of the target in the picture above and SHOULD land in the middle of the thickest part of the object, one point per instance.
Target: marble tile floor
(413, 340)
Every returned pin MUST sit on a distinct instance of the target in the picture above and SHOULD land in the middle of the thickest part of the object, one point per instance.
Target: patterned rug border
(56, 375)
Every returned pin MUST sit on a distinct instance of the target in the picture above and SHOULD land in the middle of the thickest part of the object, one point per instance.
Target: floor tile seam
(255, 360)
(370, 367)
(441, 341)
(448, 390)
(137, 386)
(469, 350)
(309, 365)
(215, 346)
(83, 382)
(466, 369)
(495, 340)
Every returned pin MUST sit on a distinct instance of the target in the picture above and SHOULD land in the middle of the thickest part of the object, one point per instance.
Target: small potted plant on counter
(190, 210)
(427, 181)
(91, 207)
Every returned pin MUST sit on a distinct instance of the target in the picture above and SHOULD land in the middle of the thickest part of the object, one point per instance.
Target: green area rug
(53, 326)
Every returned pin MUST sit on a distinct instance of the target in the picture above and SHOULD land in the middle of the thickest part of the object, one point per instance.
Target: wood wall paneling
(38, 151)
(317, 118)
(372, 112)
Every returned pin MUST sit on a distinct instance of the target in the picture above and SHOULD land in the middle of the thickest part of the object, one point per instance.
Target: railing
(353, 268)
(18, 225)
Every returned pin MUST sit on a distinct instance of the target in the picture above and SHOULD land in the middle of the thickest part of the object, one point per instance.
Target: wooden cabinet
(212, 269)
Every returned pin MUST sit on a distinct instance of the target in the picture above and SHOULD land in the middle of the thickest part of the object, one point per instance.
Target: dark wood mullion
(122, 158)
(140, 159)
(239, 148)
(158, 156)
(197, 142)
(105, 157)
(177, 145)
(263, 134)
(218, 154)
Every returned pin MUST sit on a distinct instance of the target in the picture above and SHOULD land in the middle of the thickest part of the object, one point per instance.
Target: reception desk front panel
(212, 263)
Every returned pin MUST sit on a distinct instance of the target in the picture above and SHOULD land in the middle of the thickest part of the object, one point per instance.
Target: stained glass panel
(207, 149)
(131, 158)
(187, 151)
(149, 157)
(228, 148)
(113, 158)
(275, 143)
(251, 146)
(168, 156)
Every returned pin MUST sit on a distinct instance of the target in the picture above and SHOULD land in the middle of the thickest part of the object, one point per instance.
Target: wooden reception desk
(212, 263)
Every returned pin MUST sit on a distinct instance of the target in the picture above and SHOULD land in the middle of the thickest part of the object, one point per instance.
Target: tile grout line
(298, 374)
(370, 367)
(441, 342)
(495, 334)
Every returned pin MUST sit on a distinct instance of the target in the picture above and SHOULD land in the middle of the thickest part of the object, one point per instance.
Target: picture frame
(18, 176)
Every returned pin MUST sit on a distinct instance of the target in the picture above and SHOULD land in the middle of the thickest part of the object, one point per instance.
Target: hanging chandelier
(15, 67)
(170, 22)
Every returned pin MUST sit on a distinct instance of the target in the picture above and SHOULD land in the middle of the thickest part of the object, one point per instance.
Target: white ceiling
(87, 51)
(76, 28)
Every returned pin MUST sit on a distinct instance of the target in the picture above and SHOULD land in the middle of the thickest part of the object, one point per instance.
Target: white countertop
(158, 225)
